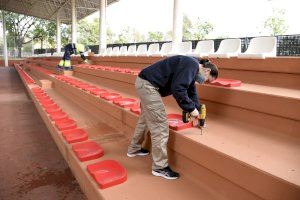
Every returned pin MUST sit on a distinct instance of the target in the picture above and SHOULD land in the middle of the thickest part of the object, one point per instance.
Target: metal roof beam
(66, 1)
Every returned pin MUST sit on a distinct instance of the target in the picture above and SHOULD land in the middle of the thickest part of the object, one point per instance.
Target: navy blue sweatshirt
(175, 76)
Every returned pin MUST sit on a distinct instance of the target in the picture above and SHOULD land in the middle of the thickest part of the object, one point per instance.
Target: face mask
(200, 78)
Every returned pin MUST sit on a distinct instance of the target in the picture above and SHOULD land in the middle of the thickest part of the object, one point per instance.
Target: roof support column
(58, 34)
(102, 25)
(177, 24)
(74, 21)
(4, 40)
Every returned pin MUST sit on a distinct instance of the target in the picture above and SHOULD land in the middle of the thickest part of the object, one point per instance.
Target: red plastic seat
(88, 151)
(41, 95)
(75, 135)
(84, 86)
(60, 77)
(47, 104)
(65, 124)
(81, 85)
(135, 71)
(176, 123)
(53, 110)
(44, 99)
(60, 115)
(99, 92)
(76, 83)
(107, 173)
(66, 79)
(37, 89)
(136, 109)
(226, 82)
(73, 82)
(107, 68)
(111, 96)
(128, 71)
(38, 92)
(101, 67)
(52, 107)
(90, 88)
(125, 70)
(126, 102)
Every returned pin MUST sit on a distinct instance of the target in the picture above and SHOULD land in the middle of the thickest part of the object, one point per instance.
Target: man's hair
(214, 72)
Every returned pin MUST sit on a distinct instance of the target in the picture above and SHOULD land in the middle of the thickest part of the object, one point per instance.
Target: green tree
(65, 34)
(156, 36)
(109, 36)
(138, 37)
(187, 28)
(169, 36)
(44, 32)
(202, 29)
(51, 27)
(129, 35)
(276, 24)
(18, 27)
(88, 32)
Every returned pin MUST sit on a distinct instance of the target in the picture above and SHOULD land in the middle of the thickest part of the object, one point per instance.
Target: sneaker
(67, 68)
(166, 172)
(58, 68)
(141, 152)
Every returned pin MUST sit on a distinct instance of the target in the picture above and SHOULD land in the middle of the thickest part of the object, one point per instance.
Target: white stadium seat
(131, 50)
(165, 49)
(115, 51)
(107, 52)
(260, 47)
(203, 48)
(153, 49)
(183, 49)
(123, 51)
(228, 48)
(142, 50)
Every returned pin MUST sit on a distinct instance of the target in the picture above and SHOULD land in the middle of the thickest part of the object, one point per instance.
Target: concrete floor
(31, 166)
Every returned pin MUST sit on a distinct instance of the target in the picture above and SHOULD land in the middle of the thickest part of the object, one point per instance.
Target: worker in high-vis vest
(72, 48)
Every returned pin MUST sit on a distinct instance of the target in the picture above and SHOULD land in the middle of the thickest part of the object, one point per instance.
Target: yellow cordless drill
(186, 117)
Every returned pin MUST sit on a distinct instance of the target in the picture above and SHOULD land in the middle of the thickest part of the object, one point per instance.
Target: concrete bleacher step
(38, 95)
(238, 191)
(259, 140)
(190, 195)
(272, 103)
(265, 99)
(115, 145)
(277, 72)
(252, 130)
(73, 93)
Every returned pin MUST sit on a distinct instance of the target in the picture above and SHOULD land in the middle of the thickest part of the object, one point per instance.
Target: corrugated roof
(47, 9)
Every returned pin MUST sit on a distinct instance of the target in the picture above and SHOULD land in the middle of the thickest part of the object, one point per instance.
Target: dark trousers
(66, 59)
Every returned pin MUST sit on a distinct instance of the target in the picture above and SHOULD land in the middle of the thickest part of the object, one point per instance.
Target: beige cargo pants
(153, 118)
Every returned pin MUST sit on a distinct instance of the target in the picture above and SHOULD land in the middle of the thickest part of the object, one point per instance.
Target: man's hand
(195, 113)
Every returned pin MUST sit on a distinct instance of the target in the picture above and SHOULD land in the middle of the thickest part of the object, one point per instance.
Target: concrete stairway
(251, 146)
(115, 143)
